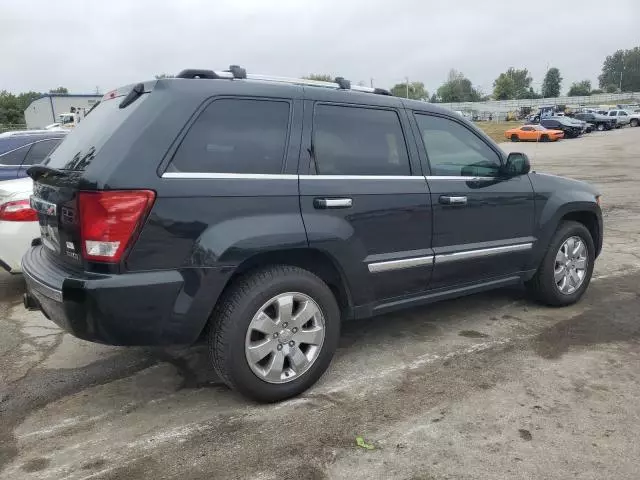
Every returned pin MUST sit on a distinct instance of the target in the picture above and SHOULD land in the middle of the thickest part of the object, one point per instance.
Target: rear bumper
(146, 308)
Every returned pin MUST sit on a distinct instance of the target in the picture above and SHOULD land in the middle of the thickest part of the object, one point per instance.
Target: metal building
(45, 110)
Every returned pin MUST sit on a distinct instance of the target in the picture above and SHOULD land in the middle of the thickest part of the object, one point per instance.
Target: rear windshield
(80, 146)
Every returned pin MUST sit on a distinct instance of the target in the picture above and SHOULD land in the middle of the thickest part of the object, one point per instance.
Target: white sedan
(18, 222)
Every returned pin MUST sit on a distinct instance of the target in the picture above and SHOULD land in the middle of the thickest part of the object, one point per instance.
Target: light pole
(622, 70)
(407, 79)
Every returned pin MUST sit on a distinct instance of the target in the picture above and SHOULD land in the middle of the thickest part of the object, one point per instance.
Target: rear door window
(39, 151)
(236, 135)
(80, 146)
(358, 141)
(14, 157)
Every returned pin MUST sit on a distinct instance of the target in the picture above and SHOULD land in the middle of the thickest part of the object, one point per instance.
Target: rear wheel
(544, 138)
(600, 127)
(515, 138)
(634, 122)
(274, 333)
(565, 271)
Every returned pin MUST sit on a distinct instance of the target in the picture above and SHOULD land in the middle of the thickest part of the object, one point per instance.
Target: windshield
(81, 145)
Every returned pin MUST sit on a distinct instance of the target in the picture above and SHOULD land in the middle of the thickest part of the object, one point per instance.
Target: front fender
(556, 203)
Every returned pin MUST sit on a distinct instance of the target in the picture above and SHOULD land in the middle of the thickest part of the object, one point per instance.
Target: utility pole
(371, 82)
(407, 79)
(621, 78)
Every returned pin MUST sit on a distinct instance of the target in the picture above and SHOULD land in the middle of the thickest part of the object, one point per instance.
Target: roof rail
(237, 72)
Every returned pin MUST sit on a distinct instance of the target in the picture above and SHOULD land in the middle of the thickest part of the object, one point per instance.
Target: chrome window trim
(278, 176)
(273, 176)
(453, 177)
(389, 265)
(245, 176)
(481, 252)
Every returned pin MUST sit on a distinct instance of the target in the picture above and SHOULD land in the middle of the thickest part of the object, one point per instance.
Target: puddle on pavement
(614, 318)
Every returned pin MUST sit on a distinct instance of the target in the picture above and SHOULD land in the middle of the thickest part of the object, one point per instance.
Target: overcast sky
(81, 44)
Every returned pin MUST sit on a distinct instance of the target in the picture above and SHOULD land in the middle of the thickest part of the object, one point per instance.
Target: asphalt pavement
(491, 386)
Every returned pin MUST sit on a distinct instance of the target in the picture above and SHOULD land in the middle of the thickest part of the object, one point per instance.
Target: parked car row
(22, 149)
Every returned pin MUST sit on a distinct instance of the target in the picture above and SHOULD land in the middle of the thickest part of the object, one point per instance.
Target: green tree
(580, 89)
(551, 83)
(504, 87)
(597, 91)
(25, 99)
(414, 91)
(622, 65)
(10, 109)
(62, 90)
(320, 77)
(513, 83)
(611, 88)
(458, 88)
(434, 98)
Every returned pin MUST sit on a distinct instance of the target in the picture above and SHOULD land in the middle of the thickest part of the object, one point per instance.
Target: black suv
(570, 129)
(259, 213)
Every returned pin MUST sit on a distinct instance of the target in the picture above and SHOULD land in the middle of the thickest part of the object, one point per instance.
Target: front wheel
(600, 127)
(566, 268)
(515, 138)
(634, 122)
(274, 332)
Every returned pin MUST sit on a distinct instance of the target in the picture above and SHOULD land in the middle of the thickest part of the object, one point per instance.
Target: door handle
(323, 203)
(451, 200)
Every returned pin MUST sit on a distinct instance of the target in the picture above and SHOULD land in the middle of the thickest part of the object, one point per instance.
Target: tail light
(18, 211)
(110, 221)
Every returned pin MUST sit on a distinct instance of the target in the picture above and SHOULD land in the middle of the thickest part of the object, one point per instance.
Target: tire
(231, 319)
(600, 127)
(544, 138)
(515, 138)
(634, 122)
(543, 284)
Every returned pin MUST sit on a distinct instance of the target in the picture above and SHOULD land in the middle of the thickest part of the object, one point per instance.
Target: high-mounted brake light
(18, 211)
(110, 220)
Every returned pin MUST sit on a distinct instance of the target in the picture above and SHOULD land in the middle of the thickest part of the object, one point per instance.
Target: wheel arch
(313, 260)
(590, 220)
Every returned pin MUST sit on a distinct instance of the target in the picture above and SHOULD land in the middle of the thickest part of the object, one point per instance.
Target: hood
(557, 182)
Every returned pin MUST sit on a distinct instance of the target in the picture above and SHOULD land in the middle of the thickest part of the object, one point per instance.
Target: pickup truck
(601, 122)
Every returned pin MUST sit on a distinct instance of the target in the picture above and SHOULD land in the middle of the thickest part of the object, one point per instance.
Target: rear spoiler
(130, 92)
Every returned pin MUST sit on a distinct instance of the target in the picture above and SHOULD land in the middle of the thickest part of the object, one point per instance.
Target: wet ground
(491, 386)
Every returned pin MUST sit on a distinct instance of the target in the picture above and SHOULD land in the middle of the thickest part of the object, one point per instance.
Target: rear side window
(39, 151)
(80, 146)
(234, 135)
(358, 141)
(15, 157)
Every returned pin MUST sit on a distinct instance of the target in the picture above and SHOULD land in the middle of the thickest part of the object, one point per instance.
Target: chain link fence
(498, 109)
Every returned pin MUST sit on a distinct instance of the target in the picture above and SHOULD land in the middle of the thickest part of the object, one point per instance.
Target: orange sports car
(536, 133)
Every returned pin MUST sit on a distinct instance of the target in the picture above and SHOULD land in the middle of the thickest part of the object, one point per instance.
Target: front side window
(234, 135)
(358, 141)
(14, 157)
(454, 150)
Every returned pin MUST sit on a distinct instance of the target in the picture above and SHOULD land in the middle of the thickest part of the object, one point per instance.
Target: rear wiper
(38, 171)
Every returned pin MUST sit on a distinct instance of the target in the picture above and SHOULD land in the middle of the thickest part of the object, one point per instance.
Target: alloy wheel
(285, 337)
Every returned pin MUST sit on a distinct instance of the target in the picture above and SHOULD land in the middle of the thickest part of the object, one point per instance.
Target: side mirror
(517, 164)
